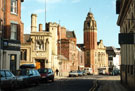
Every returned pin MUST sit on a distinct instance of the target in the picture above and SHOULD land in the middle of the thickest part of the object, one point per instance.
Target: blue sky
(72, 13)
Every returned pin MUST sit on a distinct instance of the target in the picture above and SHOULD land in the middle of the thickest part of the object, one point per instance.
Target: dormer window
(14, 6)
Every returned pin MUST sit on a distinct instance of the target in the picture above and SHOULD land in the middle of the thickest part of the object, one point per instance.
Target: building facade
(40, 47)
(80, 58)
(95, 55)
(11, 31)
(114, 58)
(126, 21)
(67, 47)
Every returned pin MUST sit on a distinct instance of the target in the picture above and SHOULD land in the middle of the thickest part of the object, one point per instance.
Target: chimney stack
(40, 27)
(33, 23)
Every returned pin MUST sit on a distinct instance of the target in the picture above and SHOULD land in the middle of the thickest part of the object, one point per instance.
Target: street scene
(67, 45)
(85, 83)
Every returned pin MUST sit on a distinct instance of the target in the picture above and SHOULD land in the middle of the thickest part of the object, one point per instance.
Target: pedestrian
(57, 71)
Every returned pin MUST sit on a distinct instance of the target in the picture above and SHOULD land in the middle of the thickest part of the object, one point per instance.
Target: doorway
(40, 63)
(13, 63)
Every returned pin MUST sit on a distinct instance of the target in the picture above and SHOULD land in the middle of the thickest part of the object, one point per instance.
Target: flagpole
(45, 14)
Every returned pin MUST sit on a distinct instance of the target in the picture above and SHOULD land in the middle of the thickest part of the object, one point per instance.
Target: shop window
(14, 6)
(13, 35)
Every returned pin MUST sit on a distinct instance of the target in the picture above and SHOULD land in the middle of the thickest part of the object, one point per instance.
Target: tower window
(88, 24)
(14, 6)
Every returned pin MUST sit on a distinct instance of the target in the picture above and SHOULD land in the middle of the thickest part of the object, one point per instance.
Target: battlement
(52, 24)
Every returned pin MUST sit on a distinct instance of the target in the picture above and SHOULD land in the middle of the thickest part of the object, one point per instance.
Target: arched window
(24, 54)
(39, 45)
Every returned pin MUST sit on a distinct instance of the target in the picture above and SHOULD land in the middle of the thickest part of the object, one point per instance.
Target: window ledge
(14, 13)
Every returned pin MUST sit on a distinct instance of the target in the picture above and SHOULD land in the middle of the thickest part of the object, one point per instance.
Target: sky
(72, 14)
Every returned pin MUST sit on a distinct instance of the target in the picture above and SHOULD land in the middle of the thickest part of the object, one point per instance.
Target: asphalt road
(65, 84)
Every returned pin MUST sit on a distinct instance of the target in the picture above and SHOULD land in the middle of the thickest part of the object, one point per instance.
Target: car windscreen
(42, 70)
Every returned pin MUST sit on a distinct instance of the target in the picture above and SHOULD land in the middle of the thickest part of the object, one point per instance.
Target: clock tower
(90, 40)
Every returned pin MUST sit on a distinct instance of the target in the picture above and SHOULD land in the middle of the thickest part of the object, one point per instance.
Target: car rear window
(42, 70)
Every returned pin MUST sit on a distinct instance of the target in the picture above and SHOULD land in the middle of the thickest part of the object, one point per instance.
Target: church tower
(90, 40)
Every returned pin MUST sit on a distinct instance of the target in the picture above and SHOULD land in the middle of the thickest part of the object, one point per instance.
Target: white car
(73, 73)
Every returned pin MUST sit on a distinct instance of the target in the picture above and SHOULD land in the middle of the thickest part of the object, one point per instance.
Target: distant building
(80, 56)
(126, 21)
(11, 33)
(40, 47)
(114, 58)
(95, 55)
(67, 47)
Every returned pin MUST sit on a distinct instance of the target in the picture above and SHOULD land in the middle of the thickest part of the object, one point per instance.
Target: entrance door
(13, 63)
(40, 63)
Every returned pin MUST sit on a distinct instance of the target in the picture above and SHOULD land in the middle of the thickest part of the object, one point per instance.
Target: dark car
(46, 74)
(7, 80)
(115, 72)
(27, 76)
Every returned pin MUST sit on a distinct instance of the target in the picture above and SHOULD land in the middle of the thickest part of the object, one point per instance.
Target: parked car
(88, 70)
(80, 73)
(46, 74)
(115, 72)
(27, 76)
(84, 72)
(7, 79)
(73, 73)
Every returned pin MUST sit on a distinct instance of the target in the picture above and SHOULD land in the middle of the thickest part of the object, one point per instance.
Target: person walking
(57, 71)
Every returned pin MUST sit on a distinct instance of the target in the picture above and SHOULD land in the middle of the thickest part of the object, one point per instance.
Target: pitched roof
(70, 34)
(61, 57)
(112, 50)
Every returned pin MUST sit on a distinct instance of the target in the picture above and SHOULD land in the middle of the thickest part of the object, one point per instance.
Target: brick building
(11, 32)
(95, 55)
(67, 47)
(126, 21)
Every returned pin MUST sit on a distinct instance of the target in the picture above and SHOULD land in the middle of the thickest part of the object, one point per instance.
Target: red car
(46, 74)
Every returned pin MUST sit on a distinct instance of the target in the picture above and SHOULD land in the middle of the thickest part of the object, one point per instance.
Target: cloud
(49, 1)
(75, 1)
(39, 11)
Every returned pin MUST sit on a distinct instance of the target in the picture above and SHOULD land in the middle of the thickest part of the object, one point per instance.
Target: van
(88, 70)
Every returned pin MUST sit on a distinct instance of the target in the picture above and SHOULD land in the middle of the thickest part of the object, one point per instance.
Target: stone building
(11, 31)
(94, 52)
(126, 21)
(40, 47)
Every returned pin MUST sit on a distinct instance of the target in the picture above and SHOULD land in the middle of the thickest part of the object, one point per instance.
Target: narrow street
(85, 83)
(64, 84)
(110, 83)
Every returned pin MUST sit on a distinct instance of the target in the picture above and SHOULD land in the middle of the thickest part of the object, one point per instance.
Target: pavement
(110, 83)
(60, 77)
